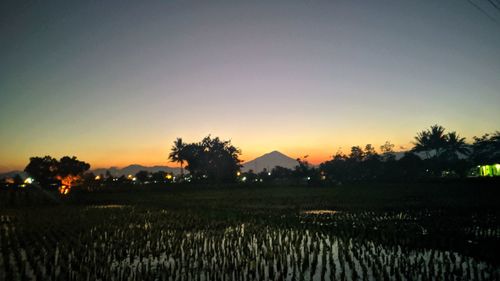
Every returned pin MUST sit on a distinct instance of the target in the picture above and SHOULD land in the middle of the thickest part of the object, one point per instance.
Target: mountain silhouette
(134, 168)
(269, 161)
(13, 173)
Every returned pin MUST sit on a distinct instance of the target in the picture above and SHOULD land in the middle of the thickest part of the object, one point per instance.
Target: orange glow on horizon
(317, 153)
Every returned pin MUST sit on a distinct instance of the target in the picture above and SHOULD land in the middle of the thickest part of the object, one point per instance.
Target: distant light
(28, 181)
(129, 176)
(244, 179)
(168, 176)
(97, 178)
(134, 179)
(238, 173)
(260, 180)
(308, 178)
(64, 190)
(269, 173)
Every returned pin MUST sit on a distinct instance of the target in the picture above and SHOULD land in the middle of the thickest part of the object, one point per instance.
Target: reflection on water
(320, 212)
(110, 206)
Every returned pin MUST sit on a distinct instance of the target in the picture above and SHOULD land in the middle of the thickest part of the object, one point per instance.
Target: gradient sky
(115, 82)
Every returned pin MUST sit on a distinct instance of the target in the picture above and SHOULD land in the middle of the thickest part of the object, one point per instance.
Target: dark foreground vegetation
(421, 231)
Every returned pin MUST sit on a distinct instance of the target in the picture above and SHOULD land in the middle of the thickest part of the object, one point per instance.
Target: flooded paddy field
(221, 241)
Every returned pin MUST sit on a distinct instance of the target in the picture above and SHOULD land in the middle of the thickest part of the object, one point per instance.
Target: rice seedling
(129, 243)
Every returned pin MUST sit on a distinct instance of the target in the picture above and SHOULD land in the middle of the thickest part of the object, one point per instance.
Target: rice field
(131, 242)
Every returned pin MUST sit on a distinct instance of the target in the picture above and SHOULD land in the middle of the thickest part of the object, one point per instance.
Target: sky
(115, 82)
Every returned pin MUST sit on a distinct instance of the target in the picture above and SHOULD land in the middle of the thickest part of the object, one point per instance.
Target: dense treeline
(210, 160)
(436, 154)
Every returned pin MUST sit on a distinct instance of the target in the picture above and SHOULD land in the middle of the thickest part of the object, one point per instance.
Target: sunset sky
(115, 82)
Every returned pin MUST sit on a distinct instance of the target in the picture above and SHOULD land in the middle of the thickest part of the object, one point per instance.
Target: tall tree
(387, 150)
(47, 170)
(212, 160)
(486, 149)
(455, 146)
(70, 170)
(430, 140)
(357, 154)
(178, 154)
(42, 169)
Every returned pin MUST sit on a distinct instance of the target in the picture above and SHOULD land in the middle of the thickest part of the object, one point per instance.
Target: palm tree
(428, 140)
(422, 143)
(177, 154)
(437, 139)
(456, 145)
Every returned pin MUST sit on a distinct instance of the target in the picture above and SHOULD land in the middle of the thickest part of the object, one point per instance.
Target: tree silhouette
(159, 176)
(42, 169)
(70, 170)
(486, 149)
(211, 160)
(433, 139)
(47, 170)
(454, 146)
(357, 154)
(387, 150)
(410, 167)
(177, 154)
(142, 176)
(371, 166)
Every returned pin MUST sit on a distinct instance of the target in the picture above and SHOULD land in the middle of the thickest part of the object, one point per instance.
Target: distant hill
(133, 169)
(12, 174)
(129, 170)
(269, 161)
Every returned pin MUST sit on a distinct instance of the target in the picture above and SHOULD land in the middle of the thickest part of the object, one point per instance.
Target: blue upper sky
(114, 82)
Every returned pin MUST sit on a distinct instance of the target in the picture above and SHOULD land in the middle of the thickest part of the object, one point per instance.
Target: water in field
(320, 212)
(109, 206)
(159, 245)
